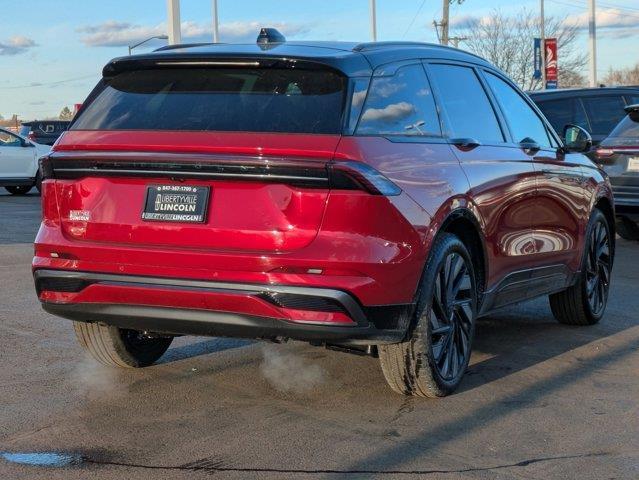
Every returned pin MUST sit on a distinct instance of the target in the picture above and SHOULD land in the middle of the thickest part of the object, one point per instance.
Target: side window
(562, 112)
(604, 112)
(523, 121)
(400, 105)
(8, 140)
(632, 99)
(360, 88)
(468, 111)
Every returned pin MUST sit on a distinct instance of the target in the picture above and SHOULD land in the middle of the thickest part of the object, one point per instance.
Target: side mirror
(577, 139)
(26, 143)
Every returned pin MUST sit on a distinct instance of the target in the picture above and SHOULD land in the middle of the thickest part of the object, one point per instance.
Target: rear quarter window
(400, 105)
(233, 99)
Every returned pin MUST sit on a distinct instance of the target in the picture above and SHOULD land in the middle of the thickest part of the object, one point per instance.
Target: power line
(49, 84)
(577, 3)
(419, 10)
(618, 7)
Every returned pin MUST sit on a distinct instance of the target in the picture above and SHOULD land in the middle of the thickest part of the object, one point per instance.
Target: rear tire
(432, 362)
(118, 347)
(585, 302)
(627, 229)
(19, 190)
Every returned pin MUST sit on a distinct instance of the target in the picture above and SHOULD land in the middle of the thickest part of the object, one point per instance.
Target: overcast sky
(52, 51)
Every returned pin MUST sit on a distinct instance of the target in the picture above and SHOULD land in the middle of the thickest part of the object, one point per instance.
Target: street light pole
(592, 40)
(159, 37)
(373, 21)
(216, 34)
(173, 20)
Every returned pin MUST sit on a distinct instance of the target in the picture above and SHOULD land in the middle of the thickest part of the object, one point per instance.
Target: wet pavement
(540, 400)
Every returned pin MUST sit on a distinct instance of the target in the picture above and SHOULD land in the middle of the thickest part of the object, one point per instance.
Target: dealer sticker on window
(176, 203)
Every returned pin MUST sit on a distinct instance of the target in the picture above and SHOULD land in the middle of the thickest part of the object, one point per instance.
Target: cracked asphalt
(540, 400)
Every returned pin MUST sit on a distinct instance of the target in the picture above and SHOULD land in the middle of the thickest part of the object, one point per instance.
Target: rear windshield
(627, 132)
(242, 100)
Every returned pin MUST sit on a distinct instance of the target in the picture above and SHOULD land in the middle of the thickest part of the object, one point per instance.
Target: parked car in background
(19, 162)
(618, 154)
(597, 110)
(376, 197)
(45, 132)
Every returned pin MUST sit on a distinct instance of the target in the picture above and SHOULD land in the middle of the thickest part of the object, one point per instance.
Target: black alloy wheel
(598, 267)
(451, 317)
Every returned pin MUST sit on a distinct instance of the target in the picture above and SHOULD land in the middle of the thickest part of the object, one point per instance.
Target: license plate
(176, 203)
(633, 164)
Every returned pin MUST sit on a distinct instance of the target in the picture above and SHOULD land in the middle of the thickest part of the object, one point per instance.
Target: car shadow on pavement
(514, 339)
(204, 347)
(537, 390)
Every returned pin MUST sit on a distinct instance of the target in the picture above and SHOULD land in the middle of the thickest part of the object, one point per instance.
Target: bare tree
(507, 42)
(66, 114)
(628, 76)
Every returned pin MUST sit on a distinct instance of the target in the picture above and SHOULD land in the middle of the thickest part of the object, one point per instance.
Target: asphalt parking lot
(540, 400)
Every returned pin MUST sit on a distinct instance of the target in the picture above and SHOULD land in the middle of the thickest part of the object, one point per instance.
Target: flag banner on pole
(551, 63)
(537, 59)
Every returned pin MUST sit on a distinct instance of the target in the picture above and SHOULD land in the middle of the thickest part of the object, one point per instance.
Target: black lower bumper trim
(303, 297)
(178, 321)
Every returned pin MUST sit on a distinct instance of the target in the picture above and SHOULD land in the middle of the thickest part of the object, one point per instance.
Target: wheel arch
(462, 223)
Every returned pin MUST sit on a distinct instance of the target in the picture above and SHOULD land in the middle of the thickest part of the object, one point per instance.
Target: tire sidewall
(443, 246)
(596, 217)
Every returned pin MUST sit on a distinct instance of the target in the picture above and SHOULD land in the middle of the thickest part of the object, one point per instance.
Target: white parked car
(19, 162)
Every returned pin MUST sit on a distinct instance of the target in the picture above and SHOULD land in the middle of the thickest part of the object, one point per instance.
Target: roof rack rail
(374, 45)
(367, 46)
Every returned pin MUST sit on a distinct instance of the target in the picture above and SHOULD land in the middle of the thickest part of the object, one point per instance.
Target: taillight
(341, 175)
(357, 175)
(45, 167)
(50, 215)
(31, 136)
(603, 153)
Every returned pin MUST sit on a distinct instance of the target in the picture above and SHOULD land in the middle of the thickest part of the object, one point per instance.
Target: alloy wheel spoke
(452, 268)
(598, 269)
(438, 303)
(451, 316)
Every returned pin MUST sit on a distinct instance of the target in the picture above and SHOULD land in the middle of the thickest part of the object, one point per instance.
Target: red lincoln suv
(375, 197)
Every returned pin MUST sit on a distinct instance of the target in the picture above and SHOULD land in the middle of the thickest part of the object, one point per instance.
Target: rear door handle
(529, 146)
(465, 143)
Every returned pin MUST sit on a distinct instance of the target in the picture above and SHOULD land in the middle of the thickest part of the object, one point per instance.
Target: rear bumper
(195, 307)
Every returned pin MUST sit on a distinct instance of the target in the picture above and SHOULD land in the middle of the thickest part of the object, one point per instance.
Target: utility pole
(173, 21)
(455, 41)
(592, 40)
(543, 45)
(445, 21)
(445, 38)
(373, 21)
(216, 33)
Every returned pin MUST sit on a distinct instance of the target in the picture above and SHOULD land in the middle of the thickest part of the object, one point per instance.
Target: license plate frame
(633, 164)
(176, 203)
